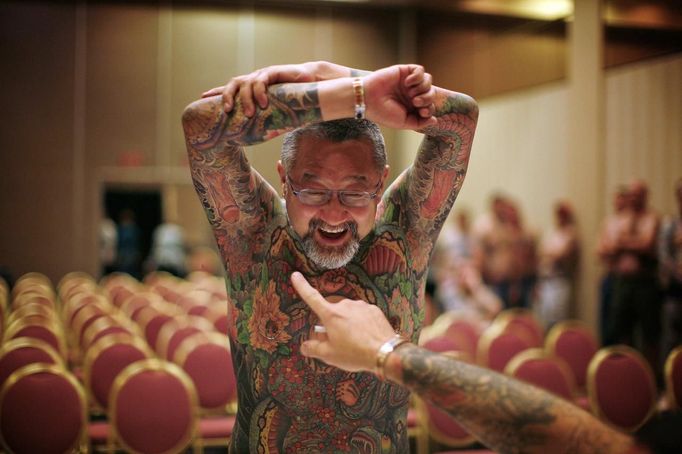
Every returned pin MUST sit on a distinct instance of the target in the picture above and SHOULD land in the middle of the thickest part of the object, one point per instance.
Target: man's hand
(354, 330)
(252, 88)
(400, 97)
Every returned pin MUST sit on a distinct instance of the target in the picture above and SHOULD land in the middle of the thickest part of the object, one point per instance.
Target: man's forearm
(290, 105)
(505, 414)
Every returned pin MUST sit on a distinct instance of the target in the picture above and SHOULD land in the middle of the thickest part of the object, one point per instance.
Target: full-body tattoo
(289, 403)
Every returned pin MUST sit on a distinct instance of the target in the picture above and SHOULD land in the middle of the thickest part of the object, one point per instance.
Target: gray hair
(336, 131)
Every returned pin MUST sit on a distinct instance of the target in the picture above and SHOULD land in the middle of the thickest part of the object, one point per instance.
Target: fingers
(311, 296)
(250, 89)
(229, 92)
(213, 92)
(315, 349)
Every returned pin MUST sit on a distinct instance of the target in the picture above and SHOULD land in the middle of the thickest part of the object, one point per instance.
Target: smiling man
(339, 224)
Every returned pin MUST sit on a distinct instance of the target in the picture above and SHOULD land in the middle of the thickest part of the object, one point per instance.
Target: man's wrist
(359, 94)
(384, 351)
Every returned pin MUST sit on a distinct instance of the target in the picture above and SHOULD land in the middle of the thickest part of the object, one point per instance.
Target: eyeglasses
(317, 197)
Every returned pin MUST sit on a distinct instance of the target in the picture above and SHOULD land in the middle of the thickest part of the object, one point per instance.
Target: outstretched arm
(505, 414)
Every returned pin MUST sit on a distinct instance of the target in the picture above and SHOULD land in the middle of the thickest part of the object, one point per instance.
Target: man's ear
(384, 176)
(282, 172)
(282, 177)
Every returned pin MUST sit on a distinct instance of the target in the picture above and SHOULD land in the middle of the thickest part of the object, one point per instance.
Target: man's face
(331, 232)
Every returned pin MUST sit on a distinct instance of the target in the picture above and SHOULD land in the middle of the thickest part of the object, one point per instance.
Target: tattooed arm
(426, 191)
(505, 414)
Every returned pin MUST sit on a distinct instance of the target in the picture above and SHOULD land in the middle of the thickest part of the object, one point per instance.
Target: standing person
(504, 414)
(636, 294)
(168, 251)
(494, 240)
(606, 253)
(339, 224)
(108, 243)
(559, 256)
(670, 254)
(128, 255)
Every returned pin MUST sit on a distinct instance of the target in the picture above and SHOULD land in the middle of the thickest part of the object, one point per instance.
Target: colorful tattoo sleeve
(505, 414)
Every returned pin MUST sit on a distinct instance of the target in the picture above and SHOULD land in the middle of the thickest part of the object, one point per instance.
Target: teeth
(333, 229)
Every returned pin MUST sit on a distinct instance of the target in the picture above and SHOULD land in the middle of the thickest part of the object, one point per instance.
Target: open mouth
(333, 233)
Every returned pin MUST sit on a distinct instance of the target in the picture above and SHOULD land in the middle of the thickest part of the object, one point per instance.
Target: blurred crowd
(496, 262)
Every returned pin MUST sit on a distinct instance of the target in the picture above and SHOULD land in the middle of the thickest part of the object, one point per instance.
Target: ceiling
(653, 14)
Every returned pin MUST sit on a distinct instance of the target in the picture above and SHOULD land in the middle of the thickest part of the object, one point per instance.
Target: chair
(523, 322)
(436, 423)
(105, 359)
(105, 326)
(673, 378)
(466, 333)
(175, 331)
(575, 343)
(151, 320)
(43, 329)
(23, 351)
(219, 317)
(153, 408)
(42, 410)
(497, 346)
(541, 369)
(621, 387)
(207, 359)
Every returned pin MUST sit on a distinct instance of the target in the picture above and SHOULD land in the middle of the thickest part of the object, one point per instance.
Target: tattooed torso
(288, 403)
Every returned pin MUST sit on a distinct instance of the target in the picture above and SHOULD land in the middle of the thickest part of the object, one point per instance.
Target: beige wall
(83, 84)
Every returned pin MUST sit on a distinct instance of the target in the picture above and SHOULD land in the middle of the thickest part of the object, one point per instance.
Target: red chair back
(42, 410)
(497, 347)
(524, 323)
(206, 358)
(105, 359)
(621, 387)
(153, 406)
(673, 377)
(573, 341)
(466, 335)
(23, 351)
(543, 370)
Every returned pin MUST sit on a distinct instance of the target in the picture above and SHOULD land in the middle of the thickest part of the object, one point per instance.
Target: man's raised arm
(247, 111)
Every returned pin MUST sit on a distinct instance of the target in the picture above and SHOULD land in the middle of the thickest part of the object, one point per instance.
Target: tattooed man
(339, 223)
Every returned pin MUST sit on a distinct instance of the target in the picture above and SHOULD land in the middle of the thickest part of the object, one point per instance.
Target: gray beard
(329, 258)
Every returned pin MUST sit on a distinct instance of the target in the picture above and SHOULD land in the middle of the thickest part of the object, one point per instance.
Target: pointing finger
(311, 296)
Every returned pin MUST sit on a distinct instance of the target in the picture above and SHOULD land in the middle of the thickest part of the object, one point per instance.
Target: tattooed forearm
(505, 414)
(289, 106)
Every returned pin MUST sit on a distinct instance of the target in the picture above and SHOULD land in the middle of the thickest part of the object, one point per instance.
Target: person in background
(494, 249)
(505, 414)
(461, 291)
(128, 255)
(505, 253)
(168, 251)
(108, 244)
(605, 252)
(636, 302)
(559, 256)
(670, 257)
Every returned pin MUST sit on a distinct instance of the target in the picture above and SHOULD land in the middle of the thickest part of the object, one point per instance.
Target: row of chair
(567, 361)
(112, 348)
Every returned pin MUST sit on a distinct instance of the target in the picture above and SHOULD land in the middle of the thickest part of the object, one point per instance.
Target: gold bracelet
(359, 91)
(386, 349)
